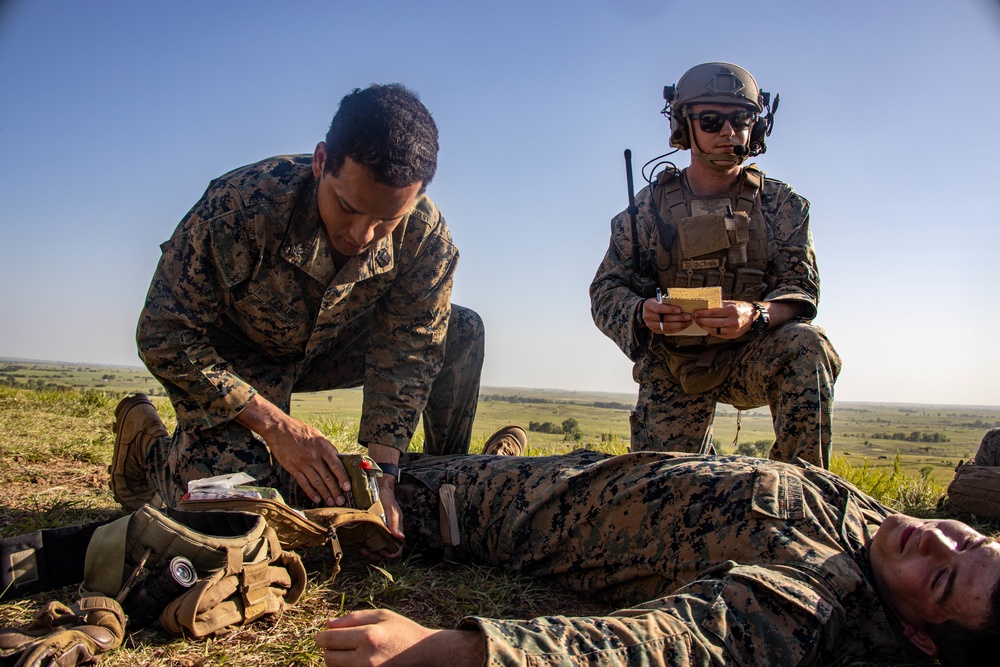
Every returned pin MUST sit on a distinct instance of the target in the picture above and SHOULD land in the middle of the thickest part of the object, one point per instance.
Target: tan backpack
(243, 572)
(975, 491)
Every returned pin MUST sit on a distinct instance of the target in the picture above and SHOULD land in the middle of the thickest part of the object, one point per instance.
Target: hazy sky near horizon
(114, 116)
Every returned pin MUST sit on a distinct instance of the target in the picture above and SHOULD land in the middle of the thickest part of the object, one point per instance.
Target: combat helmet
(720, 83)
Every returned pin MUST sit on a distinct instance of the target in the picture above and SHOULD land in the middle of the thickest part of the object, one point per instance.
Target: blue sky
(114, 116)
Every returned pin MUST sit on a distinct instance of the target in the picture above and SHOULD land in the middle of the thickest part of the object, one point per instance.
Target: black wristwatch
(760, 324)
(389, 469)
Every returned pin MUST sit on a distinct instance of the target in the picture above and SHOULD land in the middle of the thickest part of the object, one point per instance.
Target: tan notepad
(691, 299)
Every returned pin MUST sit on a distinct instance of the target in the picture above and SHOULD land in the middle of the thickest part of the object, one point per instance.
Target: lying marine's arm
(378, 636)
(752, 617)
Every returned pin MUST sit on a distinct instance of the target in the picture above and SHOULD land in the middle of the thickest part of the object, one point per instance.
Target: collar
(305, 246)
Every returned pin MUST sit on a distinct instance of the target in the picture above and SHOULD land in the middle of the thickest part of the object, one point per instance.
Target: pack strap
(105, 560)
(750, 185)
(44, 559)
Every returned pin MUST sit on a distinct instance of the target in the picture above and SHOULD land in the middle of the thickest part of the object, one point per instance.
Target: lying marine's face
(932, 571)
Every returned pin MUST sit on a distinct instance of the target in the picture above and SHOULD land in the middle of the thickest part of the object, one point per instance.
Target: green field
(56, 442)
(929, 439)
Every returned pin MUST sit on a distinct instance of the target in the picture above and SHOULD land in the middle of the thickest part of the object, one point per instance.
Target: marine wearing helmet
(732, 253)
(728, 85)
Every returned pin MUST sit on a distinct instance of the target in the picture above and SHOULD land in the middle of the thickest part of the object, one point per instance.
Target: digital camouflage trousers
(791, 369)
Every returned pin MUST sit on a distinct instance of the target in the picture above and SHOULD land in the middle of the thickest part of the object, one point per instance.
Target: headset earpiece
(680, 136)
(757, 134)
(763, 126)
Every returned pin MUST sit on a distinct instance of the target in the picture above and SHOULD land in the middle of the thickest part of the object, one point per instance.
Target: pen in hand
(659, 299)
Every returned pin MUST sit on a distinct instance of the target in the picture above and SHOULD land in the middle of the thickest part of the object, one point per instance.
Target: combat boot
(508, 441)
(136, 425)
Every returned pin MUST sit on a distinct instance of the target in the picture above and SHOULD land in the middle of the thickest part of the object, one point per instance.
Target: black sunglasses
(712, 121)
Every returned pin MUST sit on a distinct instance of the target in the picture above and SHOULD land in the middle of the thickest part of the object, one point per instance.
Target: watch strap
(389, 469)
(762, 320)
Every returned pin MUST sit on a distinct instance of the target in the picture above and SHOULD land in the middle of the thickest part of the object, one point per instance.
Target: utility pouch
(702, 234)
(705, 234)
(699, 369)
(238, 594)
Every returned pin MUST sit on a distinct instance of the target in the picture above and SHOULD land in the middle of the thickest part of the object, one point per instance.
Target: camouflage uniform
(790, 368)
(717, 560)
(247, 299)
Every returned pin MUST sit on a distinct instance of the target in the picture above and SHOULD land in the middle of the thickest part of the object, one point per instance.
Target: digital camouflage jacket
(715, 560)
(791, 262)
(248, 274)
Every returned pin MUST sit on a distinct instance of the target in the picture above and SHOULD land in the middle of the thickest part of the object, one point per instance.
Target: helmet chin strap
(719, 161)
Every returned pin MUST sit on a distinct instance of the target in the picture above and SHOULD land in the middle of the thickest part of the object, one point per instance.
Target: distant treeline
(504, 398)
(914, 436)
(570, 428)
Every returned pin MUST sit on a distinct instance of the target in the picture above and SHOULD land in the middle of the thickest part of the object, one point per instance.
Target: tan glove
(60, 637)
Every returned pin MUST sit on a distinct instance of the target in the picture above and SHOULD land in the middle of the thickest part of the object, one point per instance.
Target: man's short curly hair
(387, 129)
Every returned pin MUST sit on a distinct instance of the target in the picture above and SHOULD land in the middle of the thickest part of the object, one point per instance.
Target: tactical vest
(699, 243)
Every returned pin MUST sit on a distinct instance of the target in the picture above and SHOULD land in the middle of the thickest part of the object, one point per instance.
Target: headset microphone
(741, 151)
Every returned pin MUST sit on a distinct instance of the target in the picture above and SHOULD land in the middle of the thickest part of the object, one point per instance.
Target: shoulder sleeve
(213, 248)
(745, 618)
(792, 267)
(613, 303)
(406, 348)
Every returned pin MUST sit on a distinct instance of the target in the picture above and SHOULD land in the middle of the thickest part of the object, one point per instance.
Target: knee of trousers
(466, 330)
(807, 347)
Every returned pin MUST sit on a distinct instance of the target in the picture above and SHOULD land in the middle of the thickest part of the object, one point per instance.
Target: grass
(57, 443)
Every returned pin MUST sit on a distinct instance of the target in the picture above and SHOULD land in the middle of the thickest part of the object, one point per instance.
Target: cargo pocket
(778, 495)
